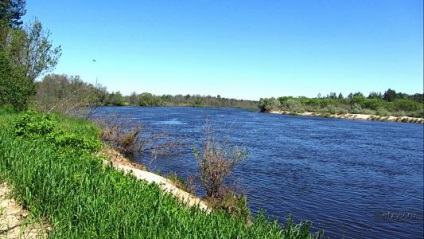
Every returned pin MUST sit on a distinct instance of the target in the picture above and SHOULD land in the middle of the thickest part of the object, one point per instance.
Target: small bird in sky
(94, 60)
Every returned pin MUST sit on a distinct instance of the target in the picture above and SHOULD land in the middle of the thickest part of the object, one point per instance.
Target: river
(351, 178)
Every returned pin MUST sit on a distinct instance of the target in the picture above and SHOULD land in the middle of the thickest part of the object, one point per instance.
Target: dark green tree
(389, 95)
(375, 95)
(25, 55)
(269, 104)
(15, 88)
(11, 12)
(32, 49)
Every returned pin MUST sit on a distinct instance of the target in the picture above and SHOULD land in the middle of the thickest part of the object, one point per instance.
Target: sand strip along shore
(405, 119)
(165, 184)
(121, 163)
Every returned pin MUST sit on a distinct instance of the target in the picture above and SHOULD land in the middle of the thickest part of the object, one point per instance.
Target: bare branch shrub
(130, 139)
(68, 95)
(216, 163)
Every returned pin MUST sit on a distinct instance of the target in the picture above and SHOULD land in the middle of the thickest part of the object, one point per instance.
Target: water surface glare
(351, 178)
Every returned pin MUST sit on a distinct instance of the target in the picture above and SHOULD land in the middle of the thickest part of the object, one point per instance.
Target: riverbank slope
(50, 162)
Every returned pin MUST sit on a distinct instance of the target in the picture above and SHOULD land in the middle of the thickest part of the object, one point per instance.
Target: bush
(130, 139)
(216, 163)
(292, 105)
(383, 112)
(36, 126)
(269, 104)
(356, 109)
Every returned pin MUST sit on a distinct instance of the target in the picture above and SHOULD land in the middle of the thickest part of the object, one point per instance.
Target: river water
(351, 178)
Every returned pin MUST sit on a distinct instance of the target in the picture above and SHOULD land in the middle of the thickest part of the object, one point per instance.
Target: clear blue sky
(239, 48)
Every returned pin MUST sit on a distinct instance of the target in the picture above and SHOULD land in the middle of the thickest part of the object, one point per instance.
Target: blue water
(350, 178)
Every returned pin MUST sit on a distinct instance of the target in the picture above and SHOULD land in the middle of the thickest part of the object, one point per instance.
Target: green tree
(269, 104)
(389, 95)
(25, 55)
(11, 12)
(32, 49)
(66, 94)
(116, 98)
(375, 95)
(147, 99)
(15, 88)
(133, 98)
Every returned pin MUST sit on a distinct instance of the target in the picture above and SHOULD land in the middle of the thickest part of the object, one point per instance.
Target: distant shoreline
(404, 119)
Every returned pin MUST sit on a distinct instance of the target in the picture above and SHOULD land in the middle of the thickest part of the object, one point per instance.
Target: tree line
(63, 91)
(389, 103)
(27, 53)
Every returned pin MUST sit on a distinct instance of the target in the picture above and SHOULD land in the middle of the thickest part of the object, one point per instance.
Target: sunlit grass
(81, 198)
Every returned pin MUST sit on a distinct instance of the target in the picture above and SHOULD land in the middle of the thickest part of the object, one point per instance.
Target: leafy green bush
(356, 109)
(269, 104)
(37, 126)
(74, 143)
(383, 112)
(34, 126)
(292, 105)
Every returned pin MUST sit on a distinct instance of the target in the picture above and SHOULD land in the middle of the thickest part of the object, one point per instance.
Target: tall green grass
(82, 198)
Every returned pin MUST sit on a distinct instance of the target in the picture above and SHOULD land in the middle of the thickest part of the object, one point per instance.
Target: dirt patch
(15, 221)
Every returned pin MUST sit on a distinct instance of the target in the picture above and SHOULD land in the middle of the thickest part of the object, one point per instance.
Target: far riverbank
(404, 119)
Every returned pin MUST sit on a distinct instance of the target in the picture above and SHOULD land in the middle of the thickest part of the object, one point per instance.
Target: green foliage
(15, 88)
(389, 95)
(269, 104)
(147, 99)
(25, 54)
(36, 126)
(391, 104)
(405, 105)
(373, 104)
(115, 98)
(298, 231)
(67, 95)
(383, 112)
(73, 143)
(32, 49)
(11, 12)
(292, 105)
(82, 198)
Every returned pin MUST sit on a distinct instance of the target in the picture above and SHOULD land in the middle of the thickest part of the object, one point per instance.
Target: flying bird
(94, 60)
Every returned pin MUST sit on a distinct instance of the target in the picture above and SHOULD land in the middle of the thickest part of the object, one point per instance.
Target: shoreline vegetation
(349, 116)
(58, 170)
(390, 106)
(63, 94)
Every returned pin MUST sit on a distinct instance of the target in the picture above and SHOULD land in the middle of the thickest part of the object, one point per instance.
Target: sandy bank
(14, 220)
(405, 119)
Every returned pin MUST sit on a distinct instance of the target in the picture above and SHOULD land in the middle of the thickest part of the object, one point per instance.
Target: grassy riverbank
(54, 174)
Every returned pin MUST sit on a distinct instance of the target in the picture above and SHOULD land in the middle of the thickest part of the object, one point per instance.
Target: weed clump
(216, 163)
